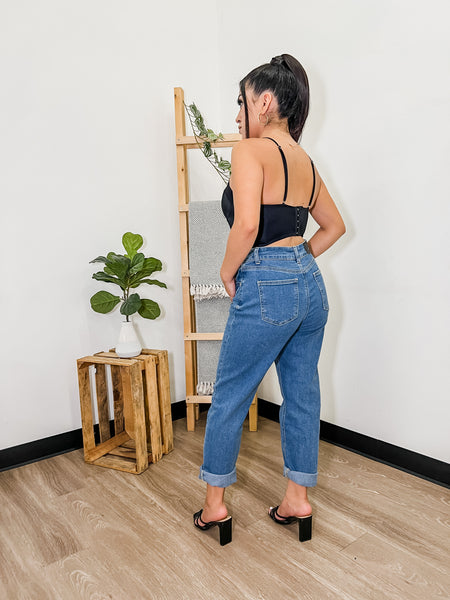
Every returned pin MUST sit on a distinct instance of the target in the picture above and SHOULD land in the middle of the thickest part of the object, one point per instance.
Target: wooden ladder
(191, 337)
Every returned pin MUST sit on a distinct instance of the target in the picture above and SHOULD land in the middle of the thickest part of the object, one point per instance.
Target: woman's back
(289, 188)
(301, 177)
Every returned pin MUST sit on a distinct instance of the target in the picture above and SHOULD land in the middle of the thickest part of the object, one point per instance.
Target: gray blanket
(208, 234)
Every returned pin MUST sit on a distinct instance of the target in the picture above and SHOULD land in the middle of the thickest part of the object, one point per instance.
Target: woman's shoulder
(246, 144)
(246, 150)
(250, 147)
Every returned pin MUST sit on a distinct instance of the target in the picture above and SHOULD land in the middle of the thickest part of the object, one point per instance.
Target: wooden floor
(69, 530)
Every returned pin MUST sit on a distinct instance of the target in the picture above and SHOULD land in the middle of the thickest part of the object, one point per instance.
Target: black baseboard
(422, 466)
(416, 464)
(24, 454)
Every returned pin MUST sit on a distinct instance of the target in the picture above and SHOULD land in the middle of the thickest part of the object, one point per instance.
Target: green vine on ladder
(204, 138)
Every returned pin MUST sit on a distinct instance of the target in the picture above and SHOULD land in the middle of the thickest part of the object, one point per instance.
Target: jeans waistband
(258, 254)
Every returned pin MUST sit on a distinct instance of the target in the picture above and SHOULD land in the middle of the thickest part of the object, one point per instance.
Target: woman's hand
(229, 283)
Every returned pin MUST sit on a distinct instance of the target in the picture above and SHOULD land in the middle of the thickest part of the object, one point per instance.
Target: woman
(279, 303)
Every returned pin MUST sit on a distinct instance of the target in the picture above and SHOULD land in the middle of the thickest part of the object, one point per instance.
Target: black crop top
(276, 221)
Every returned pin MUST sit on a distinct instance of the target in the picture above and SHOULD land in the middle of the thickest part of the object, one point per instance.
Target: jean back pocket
(279, 300)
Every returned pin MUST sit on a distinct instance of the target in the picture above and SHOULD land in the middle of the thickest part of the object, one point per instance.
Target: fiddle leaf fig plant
(128, 271)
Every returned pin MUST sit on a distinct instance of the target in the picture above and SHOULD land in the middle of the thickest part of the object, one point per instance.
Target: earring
(267, 120)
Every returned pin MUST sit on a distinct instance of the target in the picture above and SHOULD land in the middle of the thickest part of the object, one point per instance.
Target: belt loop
(257, 259)
(297, 255)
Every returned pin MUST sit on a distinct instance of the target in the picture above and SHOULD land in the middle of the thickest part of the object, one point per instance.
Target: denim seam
(317, 275)
(226, 337)
(236, 297)
(311, 478)
(282, 417)
(311, 264)
(216, 480)
(297, 264)
(269, 268)
(280, 253)
(308, 295)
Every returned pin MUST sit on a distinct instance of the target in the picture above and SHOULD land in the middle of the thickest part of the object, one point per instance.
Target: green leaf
(207, 151)
(224, 164)
(101, 276)
(117, 265)
(98, 259)
(131, 305)
(137, 263)
(149, 309)
(150, 265)
(104, 302)
(154, 281)
(132, 242)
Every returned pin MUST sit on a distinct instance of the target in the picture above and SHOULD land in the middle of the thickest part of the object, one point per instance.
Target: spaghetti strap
(314, 182)
(284, 165)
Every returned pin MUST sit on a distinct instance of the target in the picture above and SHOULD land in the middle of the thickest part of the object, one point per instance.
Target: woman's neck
(278, 133)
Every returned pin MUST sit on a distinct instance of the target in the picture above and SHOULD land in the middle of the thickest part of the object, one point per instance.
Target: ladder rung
(190, 142)
(203, 336)
(198, 399)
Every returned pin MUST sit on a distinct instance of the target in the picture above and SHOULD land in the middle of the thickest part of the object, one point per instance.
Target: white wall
(87, 153)
(378, 130)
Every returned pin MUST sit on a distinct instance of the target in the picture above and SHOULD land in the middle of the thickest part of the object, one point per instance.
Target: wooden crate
(160, 358)
(137, 438)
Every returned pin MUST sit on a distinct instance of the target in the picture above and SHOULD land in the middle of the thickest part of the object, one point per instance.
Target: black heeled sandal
(304, 523)
(224, 526)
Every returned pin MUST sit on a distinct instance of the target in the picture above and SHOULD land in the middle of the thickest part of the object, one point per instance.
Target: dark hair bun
(286, 77)
(278, 60)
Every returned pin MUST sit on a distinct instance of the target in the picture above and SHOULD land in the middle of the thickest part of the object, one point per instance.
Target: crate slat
(105, 447)
(102, 402)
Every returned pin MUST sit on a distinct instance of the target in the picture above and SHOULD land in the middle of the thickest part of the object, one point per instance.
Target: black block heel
(224, 526)
(304, 523)
(304, 528)
(225, 531)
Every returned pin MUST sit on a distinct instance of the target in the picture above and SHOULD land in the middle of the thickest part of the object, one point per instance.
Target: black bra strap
(284, 165)
(314, 181)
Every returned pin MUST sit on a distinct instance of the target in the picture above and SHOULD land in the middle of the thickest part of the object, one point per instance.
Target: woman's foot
(214, 508)
(295, 502)
(224, 525)
(214, 512)
(304, 523)
(294, 509)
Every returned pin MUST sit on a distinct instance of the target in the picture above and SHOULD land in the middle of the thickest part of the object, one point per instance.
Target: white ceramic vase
(128, 344)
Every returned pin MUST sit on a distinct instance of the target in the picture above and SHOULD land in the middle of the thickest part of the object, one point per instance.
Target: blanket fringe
(206, 291)
(205, 388)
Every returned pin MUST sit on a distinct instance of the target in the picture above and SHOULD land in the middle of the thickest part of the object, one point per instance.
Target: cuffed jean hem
(305, 479)
(218, 480)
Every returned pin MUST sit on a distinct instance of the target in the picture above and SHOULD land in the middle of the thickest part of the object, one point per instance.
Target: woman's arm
(247, 182)
(327, 216)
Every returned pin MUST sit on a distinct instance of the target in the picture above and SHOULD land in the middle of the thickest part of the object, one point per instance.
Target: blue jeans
(278, 314)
